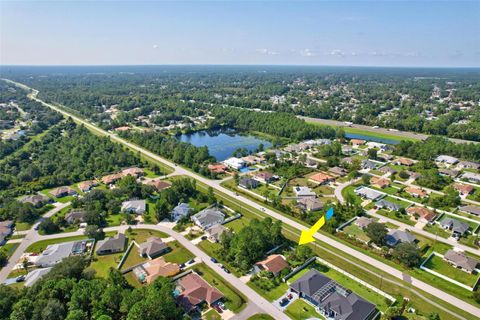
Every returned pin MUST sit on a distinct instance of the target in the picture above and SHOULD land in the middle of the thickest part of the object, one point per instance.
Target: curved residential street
(448, 298)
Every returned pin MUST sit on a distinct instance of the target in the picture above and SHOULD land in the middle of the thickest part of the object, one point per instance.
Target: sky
(355, 33)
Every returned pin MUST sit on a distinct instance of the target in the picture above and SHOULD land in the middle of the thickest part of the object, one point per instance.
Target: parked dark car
(284, 302)
(213, 260)
(204, 237)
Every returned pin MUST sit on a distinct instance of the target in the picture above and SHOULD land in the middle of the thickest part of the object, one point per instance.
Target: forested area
(430, 148)
(168, 147)
(277, 124)
(66, 154)
(248, 246)
(71, 291)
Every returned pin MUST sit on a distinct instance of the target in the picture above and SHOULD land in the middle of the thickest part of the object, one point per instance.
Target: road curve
(448, 298)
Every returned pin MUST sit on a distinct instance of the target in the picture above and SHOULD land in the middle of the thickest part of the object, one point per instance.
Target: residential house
(265, 177)
(151, 270)
(380, 182)
(357, 142)
(403, 162)
(416, 192)
(111, 178)
(385, 204)
(462, 165)
(338, 171)
(111, 245)
(471, 209)
(304, 192)
(152, 247)
(376, 145)
(208, 217)
(457, 227)
(395, 237)
(194, 291)
(424, 214)
(5, 230)
(387, 169)
(180, 211)
(310, 204)
(248, 183)
(369, 164)
(347, 150)
(235, 163)
(368, 193)
(217, 168)
(471, 176)
(134, 171)
(321, 178)
(214, 232)
(449, 160)
(87, 185)
(363, 222)
(36, 274)
(461, 261)
(274, 263)
(159, 184)
(448, 172)
(332, 300)
(463, 189)
(62, 192)
(134, 206)
(36, 200)
(346, 161)
(384, 157)
(310, 163)
(75, 216)
(413, 175)
(55, 253)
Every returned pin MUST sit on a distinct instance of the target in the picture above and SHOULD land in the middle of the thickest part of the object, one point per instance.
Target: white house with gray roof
(134, 206)
(208, 217)
(368, 193)
(180, 211)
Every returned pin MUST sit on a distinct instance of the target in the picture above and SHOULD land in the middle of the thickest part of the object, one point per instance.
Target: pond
(370, 138)
(221, 144)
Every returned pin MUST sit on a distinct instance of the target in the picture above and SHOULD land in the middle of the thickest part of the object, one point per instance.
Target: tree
(366, 179)
(162, 209)
(372, 153)
(3, 258)
(377, 232)
(94, 232)
(407, 253)
(48, 226)
(433, 316)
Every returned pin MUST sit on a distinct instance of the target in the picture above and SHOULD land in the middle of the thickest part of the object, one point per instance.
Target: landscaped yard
(102, 264)
(234, 300)
(438, 230)
(133, 258)
(300, 310)
(404, 218)
(179, 254)
(437, 264)
(211, 315)
(356, 232)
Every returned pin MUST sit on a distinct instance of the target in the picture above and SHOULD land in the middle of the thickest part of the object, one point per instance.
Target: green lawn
(238, 224)
(114, 220)
(179, 253)
(212, 314)
(41, 245)
(356, 232)
(300, 310)
(351, 191)
(22, 226)
(439, 265)
(102, 264)
(438, 230)
(261, 316)
(140, 235)
(270, 295)
(234, 300)
(133, 258)
(9, 249)
(404, 218)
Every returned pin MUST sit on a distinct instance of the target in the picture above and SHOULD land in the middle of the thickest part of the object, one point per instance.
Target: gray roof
(34, 199)
(152, 247)
(75, 215)
(363, 222)
(471, 176)
(461, 260)
(386, 169)
(395, 236)
(54, 253)
(310, 283)
(446, 159)
(310, 204)
(182, 209)
(35, 275)
(471, 209)
(209, 216)
(469, 164)
(136, 206)
(456, 225)
(216, 231)
(116, 243)
(387, 204)
(368, 193)
(368, 164)
(248, 183)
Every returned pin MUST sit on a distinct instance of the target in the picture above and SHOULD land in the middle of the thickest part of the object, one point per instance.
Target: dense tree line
(277, 124)
(430, 148)
(250, 244)
(71, 291)
(173, 149)
(11, 209)
(66, 154)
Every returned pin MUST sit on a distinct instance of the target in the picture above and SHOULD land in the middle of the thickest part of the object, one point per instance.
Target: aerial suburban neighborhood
(285, 183)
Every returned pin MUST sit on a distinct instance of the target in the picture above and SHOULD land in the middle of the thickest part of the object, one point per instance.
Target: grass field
(270, 295)
(211, 315)
(234, 300)
(179, 254)
(300, 310)
(437, 264)
(260, 316)
(356, 232)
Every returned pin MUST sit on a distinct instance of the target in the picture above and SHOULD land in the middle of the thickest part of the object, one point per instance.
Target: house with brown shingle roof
(321, 178)
(159, 268)
(112, 178)
(416, 192)
(357, 142)
(152, 247)
(62, 192)
(195, 291)
(403, 162)
(133, 171)
(87, 185)
(423, 213)
(379, 182)
(265, 177)
(274, 263)
(159, 184)
(463, 189)
(217, 167)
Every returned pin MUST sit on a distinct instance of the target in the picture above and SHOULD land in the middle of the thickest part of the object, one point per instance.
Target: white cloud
(307, 53)
(337, 52)
(267, 52)
(155, 46)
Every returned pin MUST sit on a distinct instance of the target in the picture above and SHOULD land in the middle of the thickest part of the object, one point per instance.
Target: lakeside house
(235, 163)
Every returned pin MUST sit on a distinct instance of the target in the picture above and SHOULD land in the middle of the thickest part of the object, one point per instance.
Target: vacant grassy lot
(270, 295)
(356, 232)
(439, 265)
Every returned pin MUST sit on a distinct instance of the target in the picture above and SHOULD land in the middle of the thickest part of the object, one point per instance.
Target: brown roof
(152, 246)
(416, 191)
(134, 171)
(422, 212)
(196, 290)
(111, 178)
(159, 184)
(160, 268)
(86, 185)
(404, 161)
(274, 263)
(463, 188)
(61, 190)
(321, 177)
(380, 182)
(217, 167)
(357, 141)
(264, 175)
